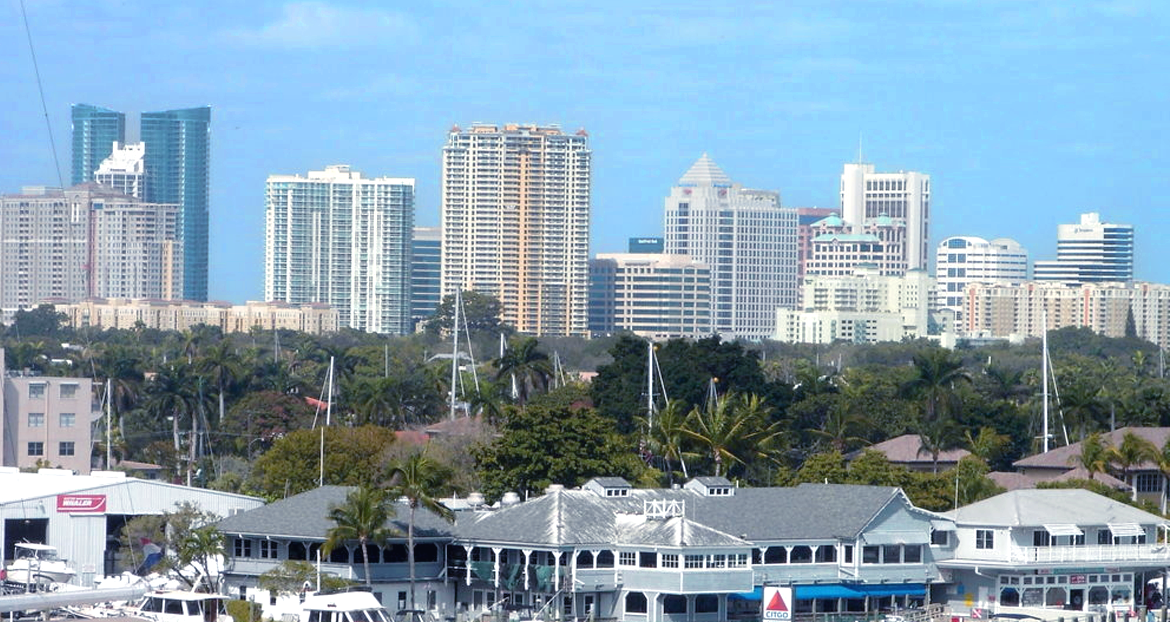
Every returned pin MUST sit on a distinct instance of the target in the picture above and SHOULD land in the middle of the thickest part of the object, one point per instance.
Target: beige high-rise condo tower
(515, 220)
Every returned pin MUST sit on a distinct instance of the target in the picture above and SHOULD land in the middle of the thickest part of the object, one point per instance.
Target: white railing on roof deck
(1092, 553)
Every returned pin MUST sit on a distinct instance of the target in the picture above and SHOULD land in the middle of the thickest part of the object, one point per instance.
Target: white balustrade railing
(1092, 553)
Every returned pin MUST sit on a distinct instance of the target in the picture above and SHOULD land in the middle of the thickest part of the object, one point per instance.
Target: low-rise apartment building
(313, 318)
(45, 420)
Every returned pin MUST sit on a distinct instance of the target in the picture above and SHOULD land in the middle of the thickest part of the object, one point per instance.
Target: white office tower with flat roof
(337, 237)
(903, 197)
(649, 294)
(1090, 252)
(515, 220)
(962, 260)
(746, 238)
(124, 170)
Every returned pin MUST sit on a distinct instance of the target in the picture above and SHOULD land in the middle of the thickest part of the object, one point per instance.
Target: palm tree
(220, 365)
(732, 429)
(934, 437)
(1162, 460)
(1006, 384)
(667, 439)
(1094, 456)
(169, 394)
(1133, 451)
(841, 427)
(363, 518)
(417, 478)
(936, 374)
(1080, 403)
(527, 365)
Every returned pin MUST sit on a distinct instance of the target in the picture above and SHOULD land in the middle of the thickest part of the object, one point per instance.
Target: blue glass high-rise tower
(178, 158)
(95, 130)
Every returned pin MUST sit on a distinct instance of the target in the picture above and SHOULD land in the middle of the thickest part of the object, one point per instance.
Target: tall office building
(336, 237)
(515, 217)
(124, 170)
(747, 240)
(426, 271)
(651, 295)
(104, 244)
(1090, 252)
(95, 130)
(806, 217)
(962, 260)
(178, 158)
(902, 197)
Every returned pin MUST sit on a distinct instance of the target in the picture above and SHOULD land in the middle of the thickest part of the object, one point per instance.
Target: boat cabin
(181, 606)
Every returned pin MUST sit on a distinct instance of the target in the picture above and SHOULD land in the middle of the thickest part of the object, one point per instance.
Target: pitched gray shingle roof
(307, 516)
(1035, 508)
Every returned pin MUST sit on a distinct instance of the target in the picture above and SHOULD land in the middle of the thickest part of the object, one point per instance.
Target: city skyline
(1017, 111)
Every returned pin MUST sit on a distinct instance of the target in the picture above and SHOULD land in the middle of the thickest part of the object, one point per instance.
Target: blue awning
(838, 590)
(859, 590)
(892, 589)
(756, 594)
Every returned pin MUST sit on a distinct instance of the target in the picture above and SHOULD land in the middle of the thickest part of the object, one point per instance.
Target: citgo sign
(777, 603)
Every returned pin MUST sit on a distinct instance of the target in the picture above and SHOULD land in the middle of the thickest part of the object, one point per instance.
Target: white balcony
(1099, 553)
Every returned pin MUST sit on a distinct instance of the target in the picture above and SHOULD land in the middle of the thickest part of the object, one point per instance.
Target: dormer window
(617, 492)
(711, 486)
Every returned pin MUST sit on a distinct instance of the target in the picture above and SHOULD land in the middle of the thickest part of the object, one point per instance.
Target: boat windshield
(368, 615)
(47, 554)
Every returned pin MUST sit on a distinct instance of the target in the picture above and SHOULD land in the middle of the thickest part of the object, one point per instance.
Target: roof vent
(475, 499)
(509, 499)
(608, 487)
(711, 486)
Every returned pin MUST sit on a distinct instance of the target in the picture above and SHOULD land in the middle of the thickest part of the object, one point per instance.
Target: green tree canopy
(353, 457)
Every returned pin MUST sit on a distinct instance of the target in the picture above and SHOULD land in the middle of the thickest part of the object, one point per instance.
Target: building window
(68, 390)
(636, 602)
(673, 603)
(826, 554)
(68, 419)
(984, 539)
(36, 420)
(706, 603)
(1104, 536)
(670, 560)
(647, 559)
(939, 537)
(1148, 482)
(871, 554)
(627, 558)
(65, 448)
(1041, 537)
(243, 547)
(717, 561)
(693, 561)
(36, 448)
(891, 554)
(36, 391)
(268, 549)
(912, 554)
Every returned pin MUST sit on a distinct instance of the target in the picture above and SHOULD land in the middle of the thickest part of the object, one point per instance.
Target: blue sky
(1024, 112)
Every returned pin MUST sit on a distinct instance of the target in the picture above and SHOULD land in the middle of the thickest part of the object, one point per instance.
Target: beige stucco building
(45, 419)
(312, 318)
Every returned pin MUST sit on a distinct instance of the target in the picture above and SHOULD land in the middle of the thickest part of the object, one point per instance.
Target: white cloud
(314, 24)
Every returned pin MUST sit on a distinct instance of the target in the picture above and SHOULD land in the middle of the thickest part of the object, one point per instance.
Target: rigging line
(41, 90)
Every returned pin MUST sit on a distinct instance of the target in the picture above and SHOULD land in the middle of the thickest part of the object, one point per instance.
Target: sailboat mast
(109, 426)
(1044, 374)
(650, 386)
(328, 418)
(455, 352)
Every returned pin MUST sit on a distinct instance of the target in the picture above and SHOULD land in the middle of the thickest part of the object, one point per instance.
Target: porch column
(556, 571)
(497, 552)
(573, 568)
(467, 563)
(527, 556)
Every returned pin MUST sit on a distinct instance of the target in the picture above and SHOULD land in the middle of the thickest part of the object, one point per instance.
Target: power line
(41, 90)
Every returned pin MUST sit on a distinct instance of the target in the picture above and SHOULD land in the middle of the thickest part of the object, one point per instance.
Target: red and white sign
(777, 603)
(81, 504)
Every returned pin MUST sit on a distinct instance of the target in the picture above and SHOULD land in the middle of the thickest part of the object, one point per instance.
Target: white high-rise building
(1090, 252)
(962, 260)
(652, 295)
(124, 170)
(336, 237)
(87, 241)
(864, 307)
(515, 221)
(903, 196)
(747, 240)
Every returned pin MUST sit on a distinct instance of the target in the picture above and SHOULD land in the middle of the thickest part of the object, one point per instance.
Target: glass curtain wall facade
(95, 130)
(178, 158)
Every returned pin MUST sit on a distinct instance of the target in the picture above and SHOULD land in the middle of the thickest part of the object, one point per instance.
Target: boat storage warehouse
(83, 515)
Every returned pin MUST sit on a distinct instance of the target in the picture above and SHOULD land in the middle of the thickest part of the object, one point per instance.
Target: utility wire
(36, 70)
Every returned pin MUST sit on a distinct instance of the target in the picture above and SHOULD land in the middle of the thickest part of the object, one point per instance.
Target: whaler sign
(81, 504)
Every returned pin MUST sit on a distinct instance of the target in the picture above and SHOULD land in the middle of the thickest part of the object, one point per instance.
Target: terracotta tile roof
(907, 449)
(1064, 457)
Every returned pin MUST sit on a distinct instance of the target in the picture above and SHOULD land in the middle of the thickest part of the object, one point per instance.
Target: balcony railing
(1099, 553)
